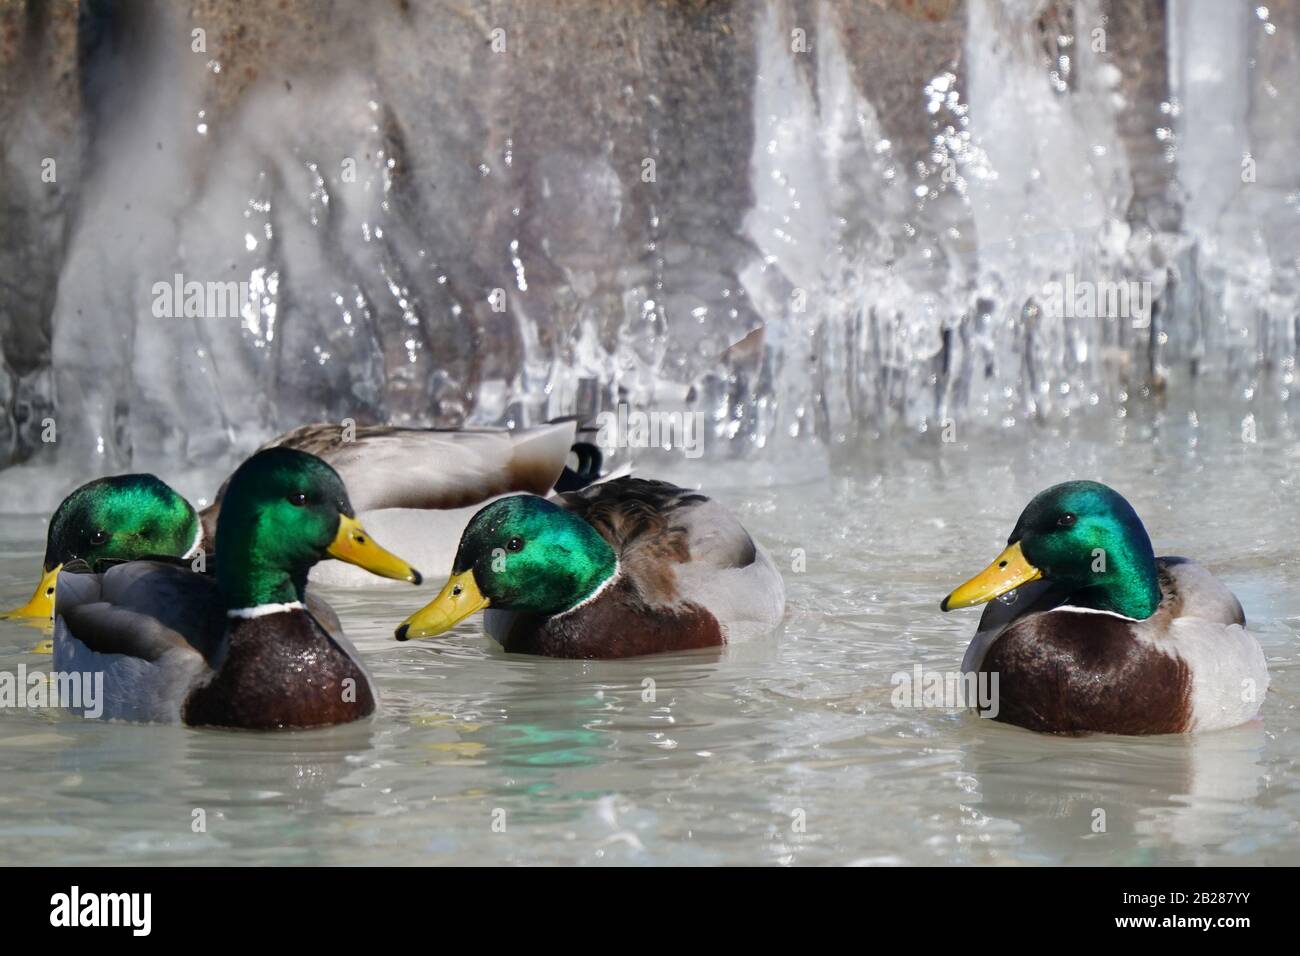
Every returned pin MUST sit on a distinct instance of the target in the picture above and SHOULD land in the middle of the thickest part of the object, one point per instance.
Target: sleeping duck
(418, 487)
(618, 569)
(1093, 633)
(443, 474)
(240, 649)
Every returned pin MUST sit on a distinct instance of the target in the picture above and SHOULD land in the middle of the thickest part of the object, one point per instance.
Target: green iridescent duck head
(283, 511)
(120, 518)
(521, 553)
(1082, 536)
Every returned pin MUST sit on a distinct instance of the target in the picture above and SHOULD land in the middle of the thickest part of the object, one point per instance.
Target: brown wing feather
(655, 526)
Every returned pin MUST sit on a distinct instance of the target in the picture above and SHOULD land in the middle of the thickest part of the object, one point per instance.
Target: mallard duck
(241, 649)
(418, 487)
(119, 518)
(442, 473)
(628, 567)
(1102, 636)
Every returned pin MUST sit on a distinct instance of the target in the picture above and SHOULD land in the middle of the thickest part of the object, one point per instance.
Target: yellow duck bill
(41, 606)
(355, 546)
(1008, 571)
(458, 599)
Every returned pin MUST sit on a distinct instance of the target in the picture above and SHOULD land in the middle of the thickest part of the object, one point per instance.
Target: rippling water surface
(782, 751)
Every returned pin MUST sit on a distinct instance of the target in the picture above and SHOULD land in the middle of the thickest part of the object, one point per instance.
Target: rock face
(41, 137)
(810, 217)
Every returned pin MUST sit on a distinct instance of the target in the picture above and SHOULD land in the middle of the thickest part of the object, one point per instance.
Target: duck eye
(515, 544)
(298, 499)
(1066, 520)
(98, 537)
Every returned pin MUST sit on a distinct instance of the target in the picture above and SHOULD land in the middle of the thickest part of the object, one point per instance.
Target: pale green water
(716, 768)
